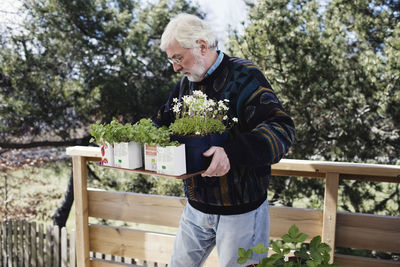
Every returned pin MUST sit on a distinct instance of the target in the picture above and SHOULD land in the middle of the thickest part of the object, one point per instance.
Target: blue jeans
(199, 232)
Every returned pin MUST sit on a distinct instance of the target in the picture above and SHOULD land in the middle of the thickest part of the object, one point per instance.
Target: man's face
(187, 61)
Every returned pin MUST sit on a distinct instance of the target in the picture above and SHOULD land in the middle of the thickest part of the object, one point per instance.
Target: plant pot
(195, 146)
(150, 157)
(171, 160)
(107, 154)
(128, 155)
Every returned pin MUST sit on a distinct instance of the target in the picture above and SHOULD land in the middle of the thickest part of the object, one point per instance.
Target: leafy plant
(198, 115)
(143, 131)
(151, 135)
(115, 132)
(316, 254)
(100, 133)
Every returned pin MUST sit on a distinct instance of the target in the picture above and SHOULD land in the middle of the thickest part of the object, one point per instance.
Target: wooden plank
(367, 231)
(15, 243)
(81, 211)
(105, 263)
(20, 242)
(33, 247)
(40, 246)
(163, 210)
(64, 247)
(48, 245)
(84, 151)
(291, 164)
(133, 207)
(9, 244)
(27, 230)
(339, 167)
(135, 244)
(367, 178)
(56, 245)
(131, 243)
(351, 261)
(278, 172)
(146, 172)
(308, 221)
(330, 210)
(72, 259)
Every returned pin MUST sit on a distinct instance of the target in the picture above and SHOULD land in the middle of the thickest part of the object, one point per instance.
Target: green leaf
(315, 242)
(242, 260)
(293, 231)
(275, 247)
(259, 249)
(301, 237)
(286, 238)
(242, 252)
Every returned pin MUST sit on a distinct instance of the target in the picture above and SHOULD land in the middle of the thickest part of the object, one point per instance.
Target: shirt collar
(216, 64)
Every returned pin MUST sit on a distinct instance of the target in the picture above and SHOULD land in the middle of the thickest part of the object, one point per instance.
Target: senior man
(227, 204)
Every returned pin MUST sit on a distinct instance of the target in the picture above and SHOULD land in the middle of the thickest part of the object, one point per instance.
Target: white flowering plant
(196, 115)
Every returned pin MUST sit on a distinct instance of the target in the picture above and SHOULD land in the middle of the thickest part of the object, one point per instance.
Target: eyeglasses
(176, 60)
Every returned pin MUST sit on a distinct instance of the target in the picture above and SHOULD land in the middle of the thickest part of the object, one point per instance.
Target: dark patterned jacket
(262, 136)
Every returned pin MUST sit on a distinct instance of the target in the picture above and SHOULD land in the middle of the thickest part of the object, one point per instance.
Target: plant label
(150, 157)
(107, 154)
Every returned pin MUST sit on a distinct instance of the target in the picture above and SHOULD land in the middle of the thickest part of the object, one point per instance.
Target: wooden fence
(24, 243)
(347, 230)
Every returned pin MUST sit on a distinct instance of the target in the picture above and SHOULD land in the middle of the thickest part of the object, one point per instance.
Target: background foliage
(334, 64)
(335, 68)
(80, 61)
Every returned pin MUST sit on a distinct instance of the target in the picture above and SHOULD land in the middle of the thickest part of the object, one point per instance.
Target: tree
(76, 62)
(336, 70)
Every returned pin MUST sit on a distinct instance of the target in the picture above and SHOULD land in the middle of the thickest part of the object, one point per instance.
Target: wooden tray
(143, 171)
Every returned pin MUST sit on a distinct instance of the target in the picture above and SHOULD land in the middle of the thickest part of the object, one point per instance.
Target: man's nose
(177, 67)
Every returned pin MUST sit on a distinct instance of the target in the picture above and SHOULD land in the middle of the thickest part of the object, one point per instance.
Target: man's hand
(219, 164)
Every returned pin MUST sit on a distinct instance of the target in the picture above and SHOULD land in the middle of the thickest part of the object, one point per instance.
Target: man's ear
(203, 46)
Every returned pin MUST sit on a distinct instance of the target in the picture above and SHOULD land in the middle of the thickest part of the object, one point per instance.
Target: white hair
(187, 29)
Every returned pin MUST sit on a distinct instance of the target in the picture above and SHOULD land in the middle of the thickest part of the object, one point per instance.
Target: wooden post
(330, 210)
(81, 211)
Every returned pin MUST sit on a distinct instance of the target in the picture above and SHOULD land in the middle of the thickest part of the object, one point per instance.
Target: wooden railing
(338, 229)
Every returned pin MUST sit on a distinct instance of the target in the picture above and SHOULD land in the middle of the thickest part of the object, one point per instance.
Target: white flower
(197, 133)
(176, 109)
(175, 100)
(225, 118)
(235, 119)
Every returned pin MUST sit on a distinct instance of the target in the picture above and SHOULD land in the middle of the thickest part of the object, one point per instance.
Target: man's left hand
(219, 164)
